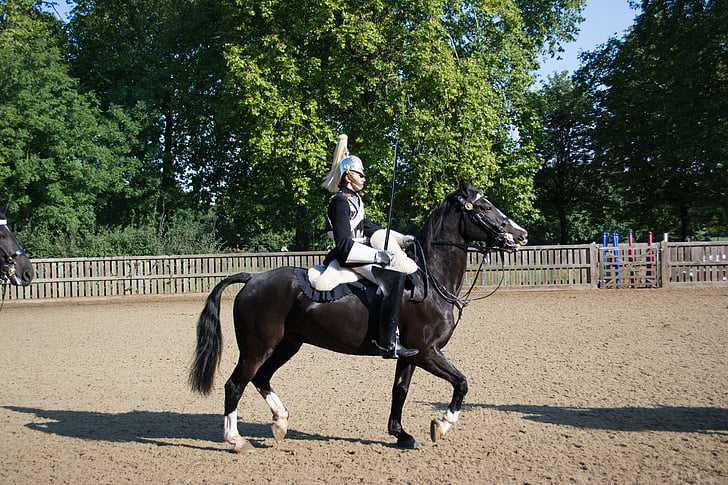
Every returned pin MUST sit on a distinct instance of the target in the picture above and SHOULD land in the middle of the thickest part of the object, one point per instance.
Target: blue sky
(602, 20)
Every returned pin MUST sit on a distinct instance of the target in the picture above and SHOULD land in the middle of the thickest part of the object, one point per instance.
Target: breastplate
(356, 216)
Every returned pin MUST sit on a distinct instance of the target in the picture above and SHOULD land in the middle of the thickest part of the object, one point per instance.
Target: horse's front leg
(402, 379)
(437, 364)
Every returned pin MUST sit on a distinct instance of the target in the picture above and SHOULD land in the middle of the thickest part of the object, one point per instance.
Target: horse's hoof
(241, 445)
(279, 431)
(436, 431)
(406, 442)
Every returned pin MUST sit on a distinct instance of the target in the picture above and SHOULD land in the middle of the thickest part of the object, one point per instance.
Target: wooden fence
(147, 275)
(533, 267)
(696, 264)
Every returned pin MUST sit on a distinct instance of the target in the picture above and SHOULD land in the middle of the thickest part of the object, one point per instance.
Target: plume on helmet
(332, 179)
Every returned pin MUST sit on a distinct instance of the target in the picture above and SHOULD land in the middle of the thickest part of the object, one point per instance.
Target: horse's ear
(463, 187)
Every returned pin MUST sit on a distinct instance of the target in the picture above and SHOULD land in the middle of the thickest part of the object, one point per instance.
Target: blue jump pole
(605, 255)
(617, 260)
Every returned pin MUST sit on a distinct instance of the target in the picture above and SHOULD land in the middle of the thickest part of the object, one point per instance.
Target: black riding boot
(391, 285)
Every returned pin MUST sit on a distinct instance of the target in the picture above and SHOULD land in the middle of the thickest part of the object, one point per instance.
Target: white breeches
(400, 262)
(335, 275)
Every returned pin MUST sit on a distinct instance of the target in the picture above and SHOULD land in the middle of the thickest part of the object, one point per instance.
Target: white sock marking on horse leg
(451, 417)
(280, 414)
(449, 421)
(276, 405)
(231, 427)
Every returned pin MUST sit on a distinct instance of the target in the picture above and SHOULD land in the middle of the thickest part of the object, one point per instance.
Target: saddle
(362, 288)
(335, 275)
(365, 290)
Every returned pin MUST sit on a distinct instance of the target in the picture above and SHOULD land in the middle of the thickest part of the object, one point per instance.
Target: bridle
(500, 239)
(7, 260)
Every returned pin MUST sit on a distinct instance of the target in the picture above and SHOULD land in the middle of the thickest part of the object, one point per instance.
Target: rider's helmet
(342, 163)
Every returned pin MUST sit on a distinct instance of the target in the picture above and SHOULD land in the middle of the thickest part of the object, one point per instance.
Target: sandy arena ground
(582, 386)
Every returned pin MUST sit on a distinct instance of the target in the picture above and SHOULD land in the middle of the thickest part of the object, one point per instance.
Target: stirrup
(400, 352)
(395, 352)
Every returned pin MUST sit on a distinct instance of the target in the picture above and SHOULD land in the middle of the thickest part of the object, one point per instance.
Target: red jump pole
(631, 259)
(650, 259)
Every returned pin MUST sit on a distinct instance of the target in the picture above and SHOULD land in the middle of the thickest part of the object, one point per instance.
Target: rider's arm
(339, 217)
(346, 250)
(369, 227)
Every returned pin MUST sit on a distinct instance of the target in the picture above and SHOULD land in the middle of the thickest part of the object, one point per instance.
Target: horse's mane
(434, 222)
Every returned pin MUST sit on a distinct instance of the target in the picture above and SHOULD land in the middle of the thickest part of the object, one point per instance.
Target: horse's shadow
(158, 427)
(708, 420)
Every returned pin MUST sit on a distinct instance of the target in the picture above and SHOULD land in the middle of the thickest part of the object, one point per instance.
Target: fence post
(664, 264)
(594, 260)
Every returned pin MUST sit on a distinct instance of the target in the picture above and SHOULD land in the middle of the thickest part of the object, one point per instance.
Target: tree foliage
(164, 58)
(661, 100)
(567, 181)
(447, 80)
(63, 160)
(233, 107)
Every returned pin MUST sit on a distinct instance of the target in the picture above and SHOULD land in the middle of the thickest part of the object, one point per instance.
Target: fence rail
(698, 263)
(533, 267)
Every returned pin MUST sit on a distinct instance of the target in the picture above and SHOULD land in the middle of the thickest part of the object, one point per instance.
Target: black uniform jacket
(339, 219)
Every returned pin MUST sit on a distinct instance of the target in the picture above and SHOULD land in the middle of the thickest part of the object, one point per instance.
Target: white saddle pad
(327, 278)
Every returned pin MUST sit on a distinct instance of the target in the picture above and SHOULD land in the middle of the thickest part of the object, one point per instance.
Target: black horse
(274, 317)
(15, 267)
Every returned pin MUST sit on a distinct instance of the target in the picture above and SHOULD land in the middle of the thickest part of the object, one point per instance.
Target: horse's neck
(447, 263)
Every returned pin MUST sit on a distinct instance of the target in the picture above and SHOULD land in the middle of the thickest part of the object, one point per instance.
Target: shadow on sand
(156, 427)
(659, 418)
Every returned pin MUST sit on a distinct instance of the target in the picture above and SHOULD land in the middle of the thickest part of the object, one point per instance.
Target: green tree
(566, 183)
(62, 159)
(661, 94)
(448, 80)
(163, 58)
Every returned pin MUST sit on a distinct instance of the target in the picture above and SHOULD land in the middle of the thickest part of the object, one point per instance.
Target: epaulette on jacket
(341, 193)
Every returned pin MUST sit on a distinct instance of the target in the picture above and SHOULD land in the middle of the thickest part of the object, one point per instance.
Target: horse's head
(482, 221)
(15, 266)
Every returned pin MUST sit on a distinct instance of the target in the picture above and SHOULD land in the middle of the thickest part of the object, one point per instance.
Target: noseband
(501, 238)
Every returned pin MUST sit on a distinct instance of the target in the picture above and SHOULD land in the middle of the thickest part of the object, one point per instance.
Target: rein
(5, 289)
(7, 267)
(447, 295)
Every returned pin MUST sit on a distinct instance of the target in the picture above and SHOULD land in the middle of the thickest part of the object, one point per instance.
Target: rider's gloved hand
(406, 240)
(383, 257)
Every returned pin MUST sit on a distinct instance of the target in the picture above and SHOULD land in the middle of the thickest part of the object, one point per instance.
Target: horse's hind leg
(282, 353)
(234, 387)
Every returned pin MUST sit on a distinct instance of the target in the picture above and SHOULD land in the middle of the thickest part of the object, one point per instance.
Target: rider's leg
(391, 286)
(400, 262)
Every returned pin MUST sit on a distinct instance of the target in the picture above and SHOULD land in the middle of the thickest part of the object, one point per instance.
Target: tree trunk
(303, 230)
(168, 175)
(685, 231)
(563, 226)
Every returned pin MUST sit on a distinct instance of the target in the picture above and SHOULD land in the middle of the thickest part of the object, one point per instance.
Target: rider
(359, 245)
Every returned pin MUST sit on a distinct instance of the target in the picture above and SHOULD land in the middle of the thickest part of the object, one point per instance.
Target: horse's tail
(209, 337)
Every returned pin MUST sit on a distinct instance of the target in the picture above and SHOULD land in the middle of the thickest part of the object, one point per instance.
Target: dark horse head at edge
(15, 266)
